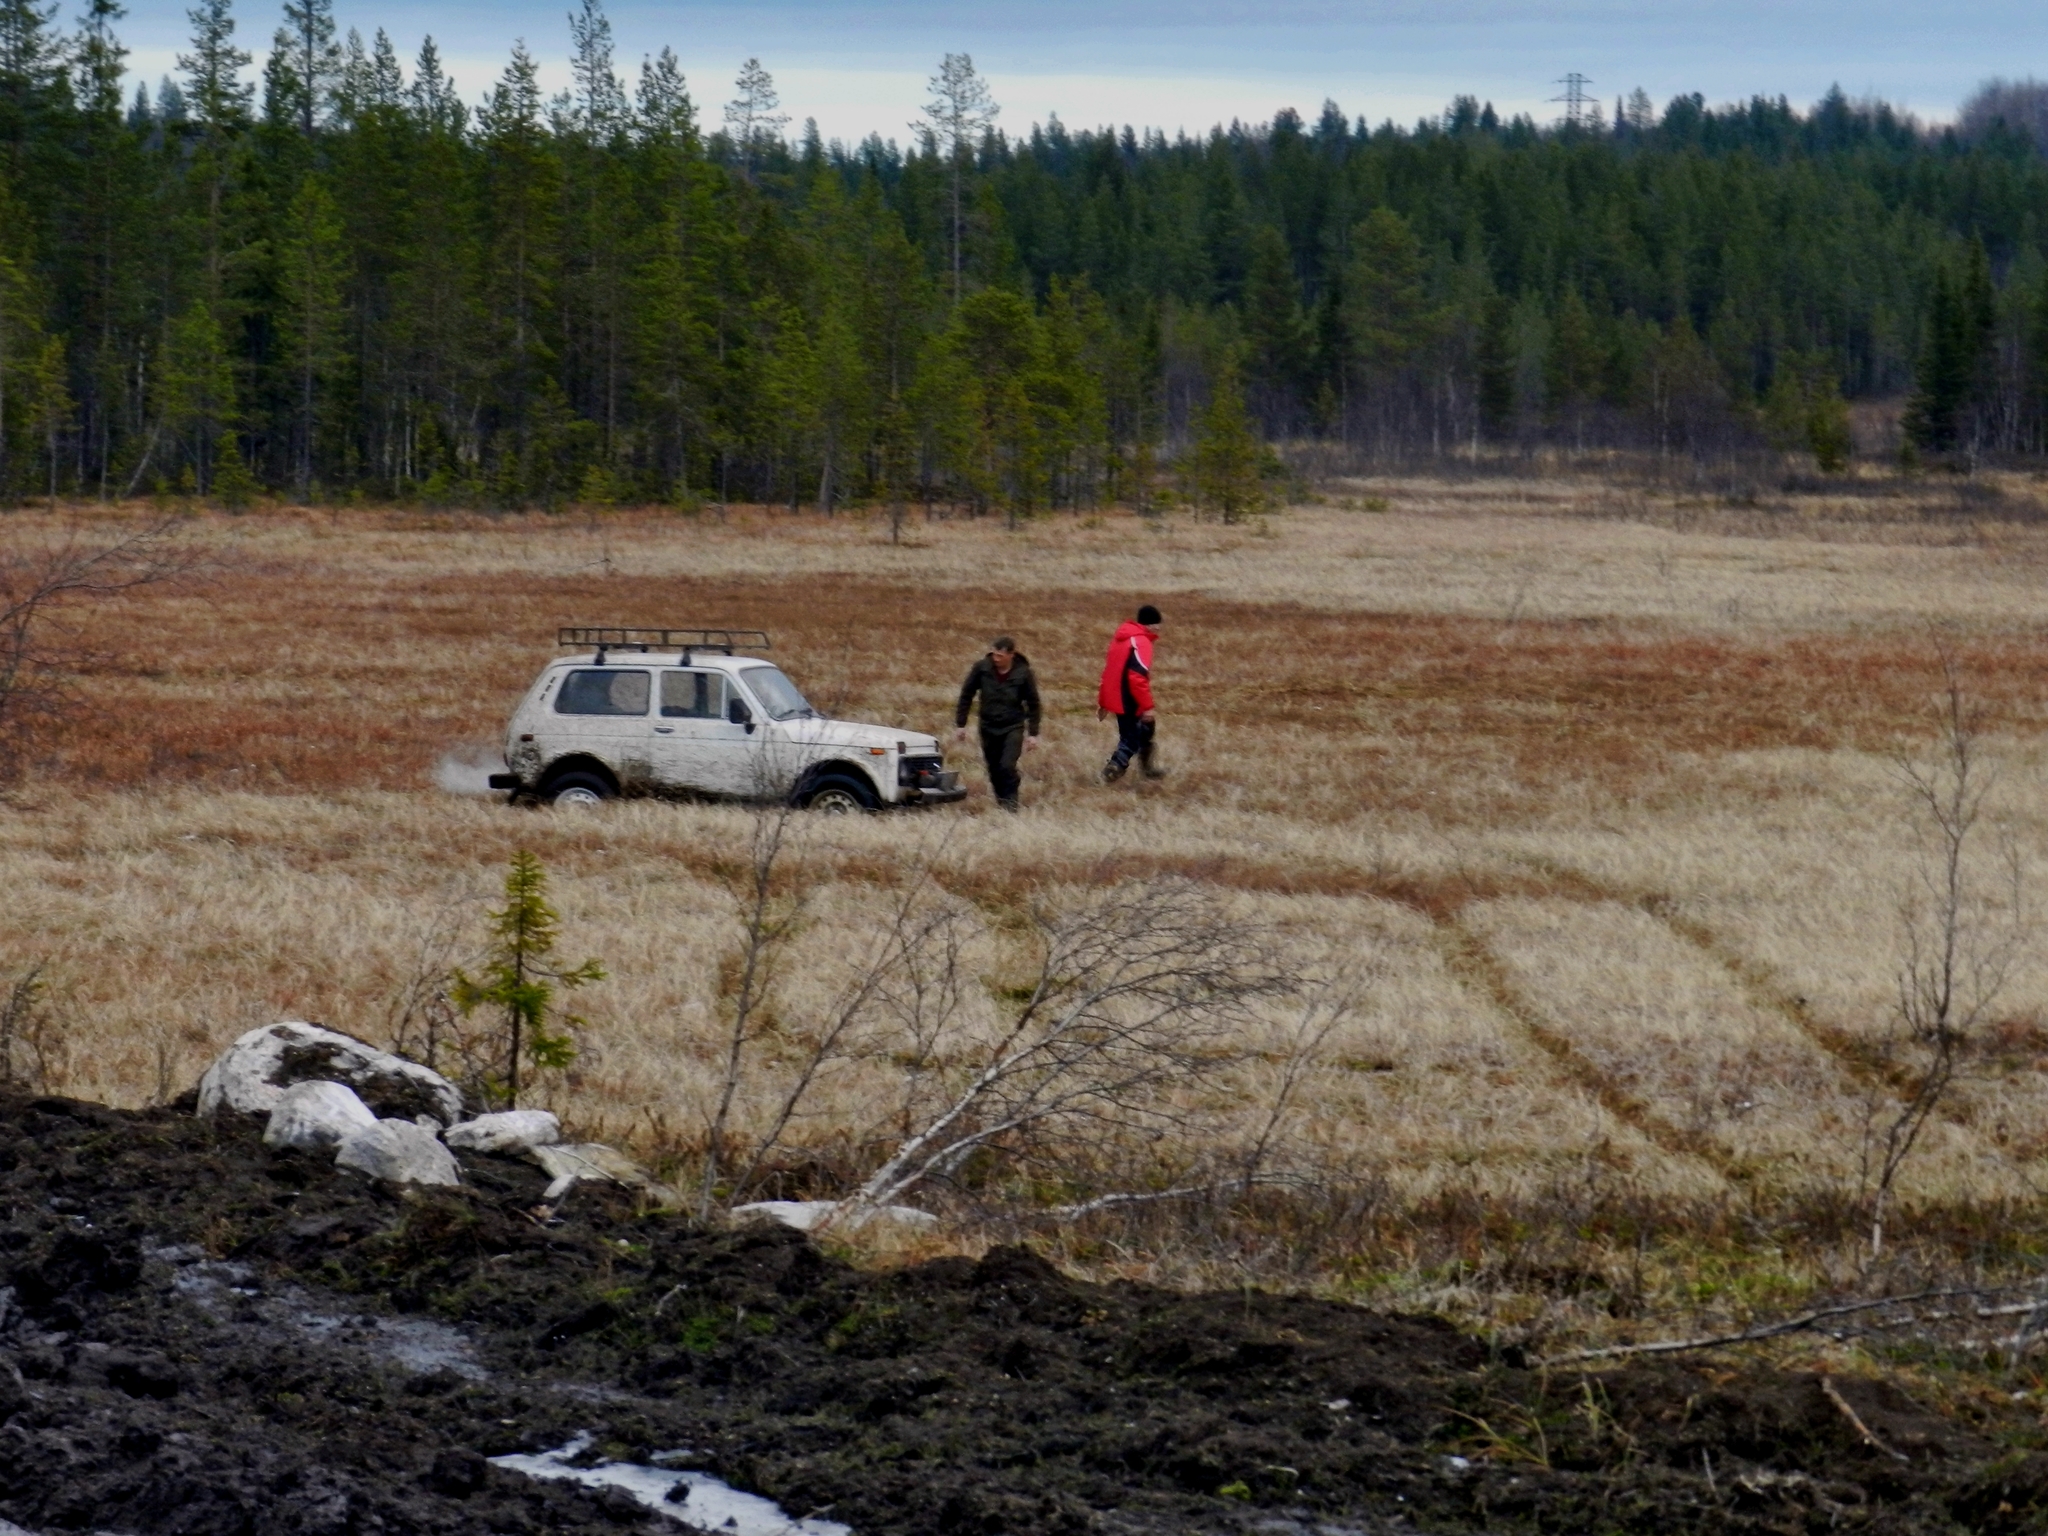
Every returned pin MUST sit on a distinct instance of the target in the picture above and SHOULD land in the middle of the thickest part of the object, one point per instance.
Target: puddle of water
(709, 1504)
(416, 1344)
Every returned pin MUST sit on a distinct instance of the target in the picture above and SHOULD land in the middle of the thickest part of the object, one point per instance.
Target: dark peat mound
(202, 1336)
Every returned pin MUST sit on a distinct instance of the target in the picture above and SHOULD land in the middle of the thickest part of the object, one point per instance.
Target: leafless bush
(45, 587)
(31, 1044)
(1960, 935)
(422, 1022)
(1136, 1001)
(1064, 1062)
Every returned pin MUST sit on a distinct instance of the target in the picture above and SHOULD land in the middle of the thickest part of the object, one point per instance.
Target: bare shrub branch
(23, 1020)
(769, 909)
(1135, 994)
(1959, 944)
(44, 588)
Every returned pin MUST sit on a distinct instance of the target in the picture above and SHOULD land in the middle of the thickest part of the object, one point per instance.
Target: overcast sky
(860, 68)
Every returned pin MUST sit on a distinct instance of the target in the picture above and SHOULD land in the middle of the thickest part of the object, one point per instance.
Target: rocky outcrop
(510, 1130)
(316, 1117)
(399, 1152)
(253, 1073)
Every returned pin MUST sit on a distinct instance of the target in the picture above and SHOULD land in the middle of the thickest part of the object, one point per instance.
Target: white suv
(682, 712)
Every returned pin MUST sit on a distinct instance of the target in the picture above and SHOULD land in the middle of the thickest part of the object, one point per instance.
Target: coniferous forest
(339, 278)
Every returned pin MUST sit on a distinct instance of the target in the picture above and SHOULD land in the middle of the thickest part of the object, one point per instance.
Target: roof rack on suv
(616, 637)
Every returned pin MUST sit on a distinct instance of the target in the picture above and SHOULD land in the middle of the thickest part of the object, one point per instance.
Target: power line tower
(1575, 99)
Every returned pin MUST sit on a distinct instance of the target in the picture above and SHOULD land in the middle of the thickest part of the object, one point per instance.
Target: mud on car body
(687, 712)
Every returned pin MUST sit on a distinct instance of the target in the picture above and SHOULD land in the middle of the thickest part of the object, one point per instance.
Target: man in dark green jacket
(1009, 715)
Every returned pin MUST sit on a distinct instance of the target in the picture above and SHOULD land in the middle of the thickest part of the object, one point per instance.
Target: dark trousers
(1133, 739)
(1003, 751)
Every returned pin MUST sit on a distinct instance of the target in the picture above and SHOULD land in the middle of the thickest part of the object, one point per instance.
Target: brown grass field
(1597, 784)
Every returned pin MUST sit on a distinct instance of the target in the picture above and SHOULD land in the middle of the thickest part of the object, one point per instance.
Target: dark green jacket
(1006, 702)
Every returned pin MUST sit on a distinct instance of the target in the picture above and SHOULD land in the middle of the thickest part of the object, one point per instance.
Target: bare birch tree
(1961, 933)
(1134, 996)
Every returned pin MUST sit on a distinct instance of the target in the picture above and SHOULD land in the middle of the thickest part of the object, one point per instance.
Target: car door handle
(664, 730)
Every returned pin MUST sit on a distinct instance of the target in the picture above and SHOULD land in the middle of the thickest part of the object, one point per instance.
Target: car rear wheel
(578, 792)
(836, 796)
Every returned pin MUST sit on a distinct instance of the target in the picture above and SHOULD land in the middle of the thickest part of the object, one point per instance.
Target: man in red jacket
(1127, 693)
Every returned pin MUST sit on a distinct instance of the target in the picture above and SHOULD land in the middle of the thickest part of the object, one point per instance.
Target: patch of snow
(704, 1502)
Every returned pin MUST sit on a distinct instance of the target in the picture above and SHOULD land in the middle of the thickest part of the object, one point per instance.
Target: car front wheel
(578, 792)
(839, 797)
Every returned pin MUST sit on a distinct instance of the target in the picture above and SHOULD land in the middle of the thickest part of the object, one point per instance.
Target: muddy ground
(203, 1336)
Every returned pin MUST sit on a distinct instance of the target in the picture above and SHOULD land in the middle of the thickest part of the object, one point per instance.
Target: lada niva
(686, 712)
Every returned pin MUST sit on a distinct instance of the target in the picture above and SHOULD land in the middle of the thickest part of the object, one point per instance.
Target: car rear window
(603, 692)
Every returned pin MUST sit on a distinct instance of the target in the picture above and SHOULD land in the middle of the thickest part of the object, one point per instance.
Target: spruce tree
(520, 978)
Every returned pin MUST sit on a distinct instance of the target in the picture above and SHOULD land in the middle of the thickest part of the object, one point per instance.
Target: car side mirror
(737, 712)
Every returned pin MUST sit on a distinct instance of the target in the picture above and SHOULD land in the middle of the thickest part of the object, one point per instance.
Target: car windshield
(777, 694)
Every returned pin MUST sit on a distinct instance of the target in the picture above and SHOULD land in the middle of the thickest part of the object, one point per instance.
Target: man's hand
(1030, 743)
(1101, 713)
(959, 733)
(1146, 717)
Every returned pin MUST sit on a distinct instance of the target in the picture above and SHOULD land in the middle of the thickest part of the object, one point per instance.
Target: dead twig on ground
(1779, 1329)
(1868, 1435)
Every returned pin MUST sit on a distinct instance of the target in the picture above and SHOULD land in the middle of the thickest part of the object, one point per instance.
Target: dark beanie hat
(1148, 615)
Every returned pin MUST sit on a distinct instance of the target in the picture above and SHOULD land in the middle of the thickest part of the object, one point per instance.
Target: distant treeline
(342, 279)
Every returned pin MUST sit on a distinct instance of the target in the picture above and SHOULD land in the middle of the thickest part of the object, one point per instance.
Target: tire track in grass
(1759, 985)
(1475, 966)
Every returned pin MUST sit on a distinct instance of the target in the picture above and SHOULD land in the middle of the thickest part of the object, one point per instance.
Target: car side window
(604, 692)
(692, 696)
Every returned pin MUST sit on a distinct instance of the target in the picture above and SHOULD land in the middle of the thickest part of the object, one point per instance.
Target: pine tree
(520, 979)
(600, 98)
(1496, 373)
(751, 118)
(304, 69)
(1231, 464)
(213, 70)
(1275, 334)
(311, 272)
(960, 111)
(523, 185)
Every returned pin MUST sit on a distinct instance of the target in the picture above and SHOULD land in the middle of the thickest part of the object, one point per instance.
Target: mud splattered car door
(698, 743)
(603, 711)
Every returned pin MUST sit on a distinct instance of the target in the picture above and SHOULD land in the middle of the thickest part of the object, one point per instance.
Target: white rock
(399, 1152)
(253, 1073)
(808, 1215)
(593, 1160)
(316, 1117)
(510, 1130)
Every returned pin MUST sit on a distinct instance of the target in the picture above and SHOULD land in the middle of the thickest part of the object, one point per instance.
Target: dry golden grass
(1598, 780)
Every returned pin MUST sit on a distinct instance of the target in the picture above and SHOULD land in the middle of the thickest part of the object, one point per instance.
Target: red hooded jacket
(1127, 671)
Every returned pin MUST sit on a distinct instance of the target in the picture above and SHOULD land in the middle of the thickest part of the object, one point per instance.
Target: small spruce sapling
(520, 979)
